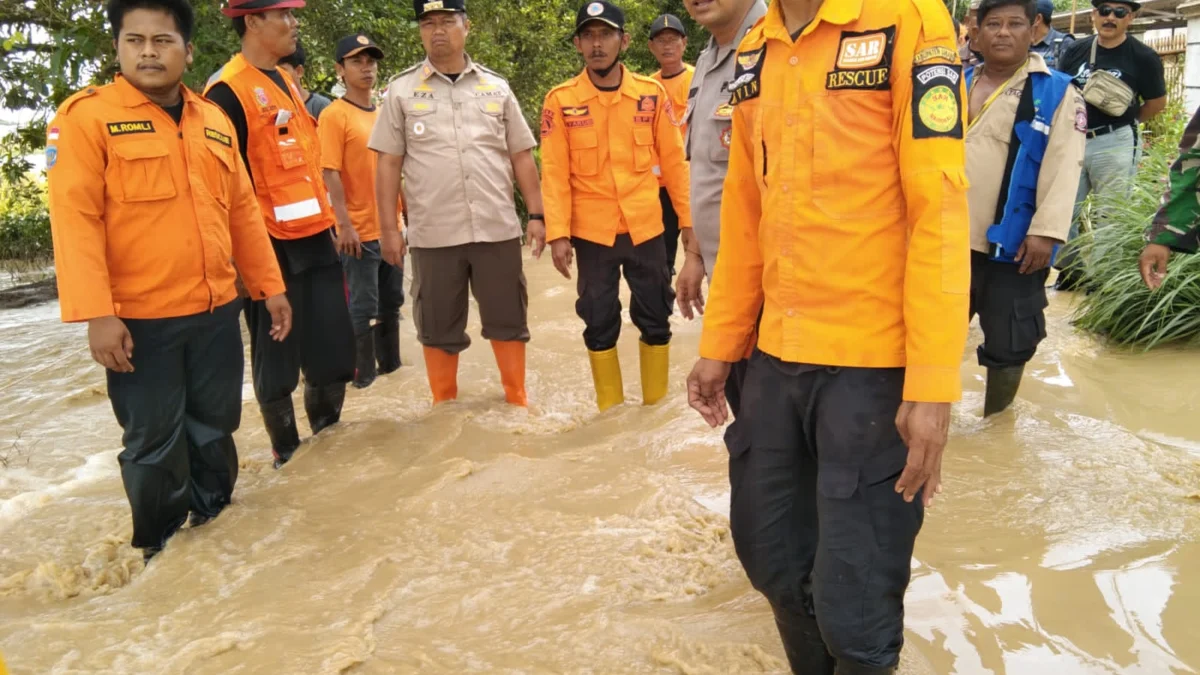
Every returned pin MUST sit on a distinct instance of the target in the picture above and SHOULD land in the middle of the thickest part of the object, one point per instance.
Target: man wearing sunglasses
(1113, 147)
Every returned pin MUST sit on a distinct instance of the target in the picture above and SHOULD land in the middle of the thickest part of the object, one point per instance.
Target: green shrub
(24, 223)
(1119, 306)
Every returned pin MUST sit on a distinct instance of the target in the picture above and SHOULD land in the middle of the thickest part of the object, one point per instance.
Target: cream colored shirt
(457, 140)
(987, 154)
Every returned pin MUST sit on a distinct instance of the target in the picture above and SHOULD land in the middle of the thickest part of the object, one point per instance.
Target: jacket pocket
(1028, 324)
(585, 152)
(419, 120)
(144, 172)
(854, 163)
(221, 172)
(643, 149)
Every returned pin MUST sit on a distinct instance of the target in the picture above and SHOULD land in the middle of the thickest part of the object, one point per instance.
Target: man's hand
(924, 428)
(348, 242)
(1035, 253)
(1153, 264)
(706, 390)
(562, 252)
(535, 231)
(111, 343)
(392, 247)
(688, 285)
(281, 316)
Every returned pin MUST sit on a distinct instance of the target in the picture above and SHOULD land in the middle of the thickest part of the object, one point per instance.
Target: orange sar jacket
(146, 214)
(845, 212)
(283, 150)
(598, 158)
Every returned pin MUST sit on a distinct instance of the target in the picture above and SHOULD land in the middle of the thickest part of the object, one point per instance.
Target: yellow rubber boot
(655, 363)
(442, 368)
(606, 375)
(510, 358)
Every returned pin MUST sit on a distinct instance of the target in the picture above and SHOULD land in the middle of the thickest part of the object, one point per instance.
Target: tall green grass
(1119, 306)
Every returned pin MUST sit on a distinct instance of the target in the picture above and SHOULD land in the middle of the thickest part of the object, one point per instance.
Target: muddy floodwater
(475, 538)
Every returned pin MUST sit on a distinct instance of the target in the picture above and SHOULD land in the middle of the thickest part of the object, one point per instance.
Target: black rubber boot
(387, 346)
(148, 553)
(198, 519)
(280, 420)
(1002, 386)
(806, 651)
(324, 405)
(364, 360)
(1069, 280)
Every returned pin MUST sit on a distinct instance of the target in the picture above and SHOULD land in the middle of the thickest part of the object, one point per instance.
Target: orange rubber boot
(510, 358)
(442, 368)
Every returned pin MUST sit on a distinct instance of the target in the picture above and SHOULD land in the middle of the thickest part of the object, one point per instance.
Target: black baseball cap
(1133, 5)
(601, 10)
(667, 22)
(423, 7)
(356, 44)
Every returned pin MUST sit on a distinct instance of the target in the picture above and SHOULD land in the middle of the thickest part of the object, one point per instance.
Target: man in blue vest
(1032, 122)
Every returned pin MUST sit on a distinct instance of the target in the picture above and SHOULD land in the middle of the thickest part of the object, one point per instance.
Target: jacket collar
(757, 10)
(132, 97)
(590, 91)
(837, 12)
(428, 71)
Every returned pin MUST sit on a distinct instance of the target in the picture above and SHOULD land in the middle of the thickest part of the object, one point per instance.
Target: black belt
(1108, 129)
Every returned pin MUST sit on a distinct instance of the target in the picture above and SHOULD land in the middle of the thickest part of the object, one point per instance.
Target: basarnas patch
(747, 76)
(647, 104)
(51, 156)
(864, 61)
(937, 101)
(547, 122)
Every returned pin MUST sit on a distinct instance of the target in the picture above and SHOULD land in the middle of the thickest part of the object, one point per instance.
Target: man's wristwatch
(537, 216)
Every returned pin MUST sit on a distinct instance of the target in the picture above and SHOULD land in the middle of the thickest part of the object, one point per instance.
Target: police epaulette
(76, 97)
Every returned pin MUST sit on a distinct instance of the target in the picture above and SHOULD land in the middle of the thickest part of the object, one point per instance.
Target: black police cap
(423, 7)
(667, 22)
(601, 10)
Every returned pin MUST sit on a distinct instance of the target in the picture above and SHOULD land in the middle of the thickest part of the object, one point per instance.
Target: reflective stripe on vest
(1020, 205)
(283, 152)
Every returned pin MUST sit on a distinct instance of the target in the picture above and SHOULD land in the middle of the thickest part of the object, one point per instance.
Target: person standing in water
(148, 202)
(279, 145)
(668, 42)
(376, 286)
(709, 135)
(845, 219)
(454, 130)
(601, 132)
(1030, 120)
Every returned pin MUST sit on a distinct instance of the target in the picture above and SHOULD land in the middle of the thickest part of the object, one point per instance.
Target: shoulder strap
(1092, 58)
(1025, 113)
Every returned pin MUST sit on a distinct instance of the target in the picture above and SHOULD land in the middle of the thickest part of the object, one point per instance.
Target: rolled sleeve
(519, 135)
(388, 134)
(331, 131)
(1058, 179)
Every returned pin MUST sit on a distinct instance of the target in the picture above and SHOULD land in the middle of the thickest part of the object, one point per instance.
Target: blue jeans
(376, 288)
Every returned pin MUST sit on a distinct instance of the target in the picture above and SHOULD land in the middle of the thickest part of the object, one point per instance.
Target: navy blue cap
(602, 11)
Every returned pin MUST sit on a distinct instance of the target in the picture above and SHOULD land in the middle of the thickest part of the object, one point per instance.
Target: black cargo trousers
(652, 300)
(1011, 308)
(178, 410)
(815, 517)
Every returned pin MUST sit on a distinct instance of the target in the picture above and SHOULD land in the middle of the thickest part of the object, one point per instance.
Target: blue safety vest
(1031, 135)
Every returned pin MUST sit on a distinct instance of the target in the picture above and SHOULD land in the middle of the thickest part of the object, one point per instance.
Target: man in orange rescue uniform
(601, 132)
(148, 201)
(668, 42)
(845, 211)
(376, 286)
(279, 145)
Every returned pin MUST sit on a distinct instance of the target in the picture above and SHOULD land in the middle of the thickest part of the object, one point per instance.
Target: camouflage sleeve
(1177, 223)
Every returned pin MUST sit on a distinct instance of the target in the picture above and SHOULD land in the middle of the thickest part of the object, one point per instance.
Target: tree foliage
(51, 48)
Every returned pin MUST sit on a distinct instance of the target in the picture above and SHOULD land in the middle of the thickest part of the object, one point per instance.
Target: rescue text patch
(124, 128)
(864, 61)
(937, 101)
(747, 75)
(214, 135)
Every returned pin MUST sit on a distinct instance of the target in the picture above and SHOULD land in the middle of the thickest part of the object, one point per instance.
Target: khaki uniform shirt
(988, 138)
(709, 123)
(457, 140)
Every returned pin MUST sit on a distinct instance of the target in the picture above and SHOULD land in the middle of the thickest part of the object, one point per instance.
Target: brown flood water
(479, 539)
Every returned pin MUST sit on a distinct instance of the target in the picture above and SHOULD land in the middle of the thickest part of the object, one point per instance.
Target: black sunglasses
(1119, 12)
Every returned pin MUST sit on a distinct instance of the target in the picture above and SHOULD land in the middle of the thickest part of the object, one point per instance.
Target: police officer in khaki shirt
(455, 132)
(709, 120)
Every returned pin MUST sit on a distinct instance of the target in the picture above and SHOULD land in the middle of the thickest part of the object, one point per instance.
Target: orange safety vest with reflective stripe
(283, 151)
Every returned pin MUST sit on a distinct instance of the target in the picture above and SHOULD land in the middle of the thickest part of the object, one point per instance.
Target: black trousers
(1011, 308)
(179, 409)
(815, 518)
(321, 343)
(670, 227)
(599, 286)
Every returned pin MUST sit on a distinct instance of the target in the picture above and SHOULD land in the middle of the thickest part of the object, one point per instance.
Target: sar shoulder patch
(864, 61)
(937, 101)
(547, 122)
